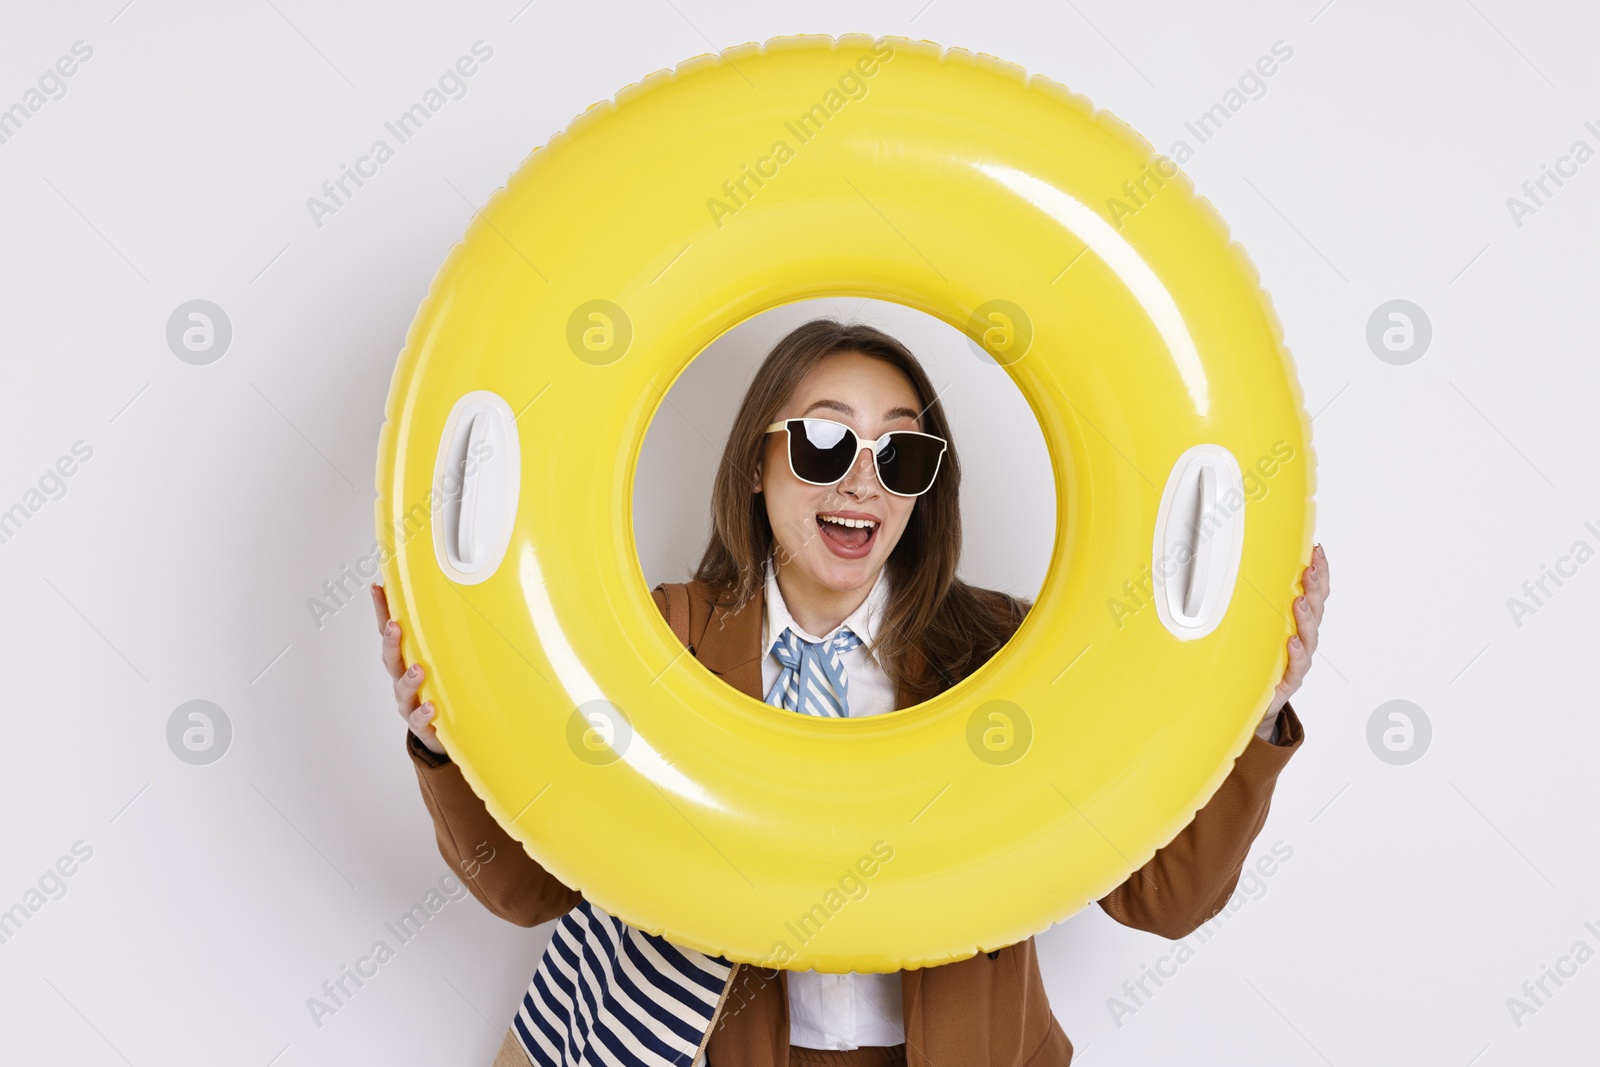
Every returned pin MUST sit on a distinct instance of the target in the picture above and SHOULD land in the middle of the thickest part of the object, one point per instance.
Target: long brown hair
(933, 619)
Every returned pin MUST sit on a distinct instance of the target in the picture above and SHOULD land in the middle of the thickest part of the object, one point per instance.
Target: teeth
(848, 522)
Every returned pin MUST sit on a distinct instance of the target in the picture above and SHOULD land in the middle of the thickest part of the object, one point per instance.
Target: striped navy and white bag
(608, 993)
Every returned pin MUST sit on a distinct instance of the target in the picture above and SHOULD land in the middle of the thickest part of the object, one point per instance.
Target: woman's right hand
(419, 718)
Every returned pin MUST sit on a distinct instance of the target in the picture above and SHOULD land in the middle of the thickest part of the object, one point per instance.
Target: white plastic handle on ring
(1199, 540)
(476, 481)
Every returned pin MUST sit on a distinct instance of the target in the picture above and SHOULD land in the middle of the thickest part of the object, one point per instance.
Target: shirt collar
(863, 622)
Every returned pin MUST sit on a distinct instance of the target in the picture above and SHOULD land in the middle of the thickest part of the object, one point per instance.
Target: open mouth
(852, 535)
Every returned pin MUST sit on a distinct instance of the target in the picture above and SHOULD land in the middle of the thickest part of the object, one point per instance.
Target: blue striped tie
(812, 681)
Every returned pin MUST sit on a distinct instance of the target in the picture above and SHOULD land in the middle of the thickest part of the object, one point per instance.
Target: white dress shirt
(846, 1011)
(841, 1011)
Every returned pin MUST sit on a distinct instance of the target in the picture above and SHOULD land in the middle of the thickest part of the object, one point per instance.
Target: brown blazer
(989, 1010)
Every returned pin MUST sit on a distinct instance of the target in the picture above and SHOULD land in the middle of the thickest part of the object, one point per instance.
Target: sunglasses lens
(821, 451)
(908, 462)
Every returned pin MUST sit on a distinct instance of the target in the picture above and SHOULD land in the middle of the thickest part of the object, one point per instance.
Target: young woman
(829, 588)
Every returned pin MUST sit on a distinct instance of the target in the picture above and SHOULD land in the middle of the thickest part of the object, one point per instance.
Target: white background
(179, 562)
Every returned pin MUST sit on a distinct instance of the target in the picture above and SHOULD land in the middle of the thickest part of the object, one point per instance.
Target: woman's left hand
(1307, 617)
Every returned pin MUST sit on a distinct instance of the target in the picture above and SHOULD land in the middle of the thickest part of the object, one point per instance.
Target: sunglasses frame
(788, 452)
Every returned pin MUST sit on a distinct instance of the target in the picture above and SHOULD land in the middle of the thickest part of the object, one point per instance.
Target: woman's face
(871, 397)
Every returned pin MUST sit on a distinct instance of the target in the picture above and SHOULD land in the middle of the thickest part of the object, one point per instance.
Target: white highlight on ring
(1114, 250)
(581, 687)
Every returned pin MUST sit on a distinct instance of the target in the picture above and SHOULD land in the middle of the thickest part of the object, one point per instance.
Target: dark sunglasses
(821, 452)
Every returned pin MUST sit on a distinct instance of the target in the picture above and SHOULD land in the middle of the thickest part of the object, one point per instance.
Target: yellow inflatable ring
(948, 182)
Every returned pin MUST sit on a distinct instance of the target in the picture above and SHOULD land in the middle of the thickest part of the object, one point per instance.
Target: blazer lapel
(730, 645)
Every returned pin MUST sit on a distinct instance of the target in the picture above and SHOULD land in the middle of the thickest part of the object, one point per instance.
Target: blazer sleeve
(1189, 880)
(490, 862)
(494, 866)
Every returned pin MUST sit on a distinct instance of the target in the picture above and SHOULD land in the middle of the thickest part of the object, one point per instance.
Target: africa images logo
(451, 85)
(804, 127)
